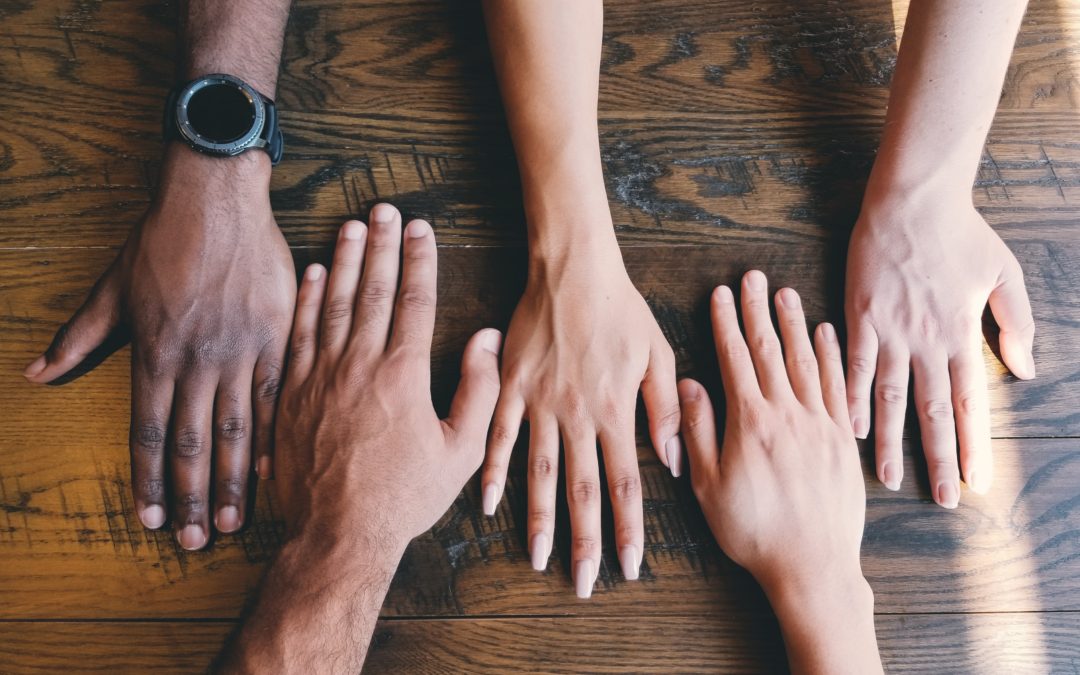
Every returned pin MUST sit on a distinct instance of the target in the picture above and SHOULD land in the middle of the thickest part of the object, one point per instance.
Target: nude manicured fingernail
(152, 516)
(264, 467)
(860, 426)
(314, 272)
(890, 472)
(755, 280)
(227, 519)
(790, 298)
(491, 498)
(1029, 369)
(36, 367)
(353, 230)
(948, 494)
(583, 579)
(673, 450)
(192, 537)
(540, 551)
(630, 562)
(491, 341)
(977, 483)
(417, 229)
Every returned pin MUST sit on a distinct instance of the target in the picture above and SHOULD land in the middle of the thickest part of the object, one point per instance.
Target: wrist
(368, 554)
(820, 599)
(189, 176)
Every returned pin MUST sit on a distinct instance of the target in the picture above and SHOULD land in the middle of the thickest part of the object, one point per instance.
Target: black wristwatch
(222, 115)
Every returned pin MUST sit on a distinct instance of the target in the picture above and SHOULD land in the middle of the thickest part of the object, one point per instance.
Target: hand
(785, 498)
(581, 343)
(205, 285)
(918, 279)
(363, 463)
(361, 454)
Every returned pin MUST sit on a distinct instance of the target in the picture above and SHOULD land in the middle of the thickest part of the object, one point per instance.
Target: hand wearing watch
(223, 116)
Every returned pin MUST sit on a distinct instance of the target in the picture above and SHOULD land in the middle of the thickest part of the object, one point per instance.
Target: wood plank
(709, 643)
(70, 546)
(779, 131)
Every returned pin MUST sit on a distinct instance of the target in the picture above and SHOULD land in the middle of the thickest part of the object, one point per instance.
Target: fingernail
(539, 550)
(353, 230)
(890, 472)
(264, 467)
(1030, 362)
(227, 519)
(314, 272)
(383, 213)
(673, 449)
(723, 295)
(948, 494)
(583, 579)
(192, 537)
(860, 427)
(977, 483)
(628, 559)
(36, 367)
(790, 298)
(755, 280)
(491, 498)
(417, 229)
(152, 516)
(828, 332)
(491, 341)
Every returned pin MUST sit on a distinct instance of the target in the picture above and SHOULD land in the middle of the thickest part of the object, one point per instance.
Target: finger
(82, 334)
(232, 450)
(378, 287)
(761, 337)
(862, 362)
(337, 315)
(504, 432)
(933, 399)
(736, 367)
(414, 313)
(305, 333)
(151, 405)
(662, 405)
(970, 401)
(189, 453)
(699, 430)
(624, 487)
(543, 485)
(266, 385)
(892, 367)
(831, 369)
(1012, 311)
(477, 393)
(583, 500)
(799, 357)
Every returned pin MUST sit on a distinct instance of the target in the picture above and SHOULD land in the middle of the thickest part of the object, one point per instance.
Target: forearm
(828, 625)
(949, 72)
(547, 59)
(316, 610)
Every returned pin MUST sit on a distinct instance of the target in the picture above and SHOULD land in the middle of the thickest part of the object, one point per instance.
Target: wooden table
(735, 134)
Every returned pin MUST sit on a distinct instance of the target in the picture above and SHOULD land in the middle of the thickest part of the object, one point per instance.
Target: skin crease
(784, 497)
(582, 341)
(204, 286)
(923, 264)
(364, 463)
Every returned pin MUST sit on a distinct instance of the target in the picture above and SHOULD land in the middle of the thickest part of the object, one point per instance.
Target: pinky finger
(862, 364)
(831, 370)
(504, 433)
(305, 335)
(266, 385)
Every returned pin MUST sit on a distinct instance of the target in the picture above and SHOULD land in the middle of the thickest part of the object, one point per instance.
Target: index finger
(736, 368)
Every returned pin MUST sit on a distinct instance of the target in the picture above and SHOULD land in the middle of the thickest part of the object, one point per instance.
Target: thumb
(477, 393)
(85, 331)
(1012, 311)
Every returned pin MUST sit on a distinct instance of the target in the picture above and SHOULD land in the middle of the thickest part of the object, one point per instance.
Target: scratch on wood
(1053, 172)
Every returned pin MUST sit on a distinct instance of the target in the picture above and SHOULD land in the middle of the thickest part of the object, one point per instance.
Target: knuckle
(969, 402)
(414, 299)
(891, 393)
(540, 517)
(191, 502)
(232, 428)
(150, 489)
(585, 545)
(338, 310)
(695, 421)
(541, 468)
(375, 293)
(232, 487)
(751, 419)
(149, 437)
(804, 363)
(766, 345)
(189, 443)
(502, 435)
(583, 492)
(937, 409)
(575, 411)
(626, 488)
(669, 417)
(302, 343)
(861, 364)
(269, 385)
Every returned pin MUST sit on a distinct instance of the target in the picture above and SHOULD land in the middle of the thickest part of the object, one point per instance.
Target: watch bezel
(250, 139)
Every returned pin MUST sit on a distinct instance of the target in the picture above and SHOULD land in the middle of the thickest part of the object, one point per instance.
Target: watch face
(220, 114)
